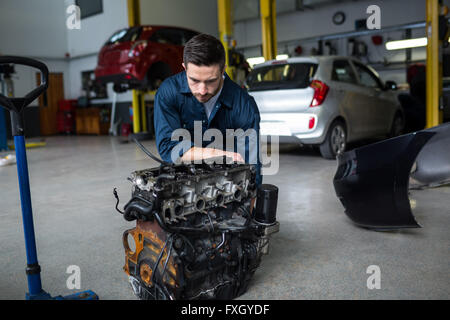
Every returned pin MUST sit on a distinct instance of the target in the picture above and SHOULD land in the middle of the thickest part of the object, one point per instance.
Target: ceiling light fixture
(405, 44)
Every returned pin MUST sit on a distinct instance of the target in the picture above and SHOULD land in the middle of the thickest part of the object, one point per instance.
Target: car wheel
(335, 141)
(397, 126)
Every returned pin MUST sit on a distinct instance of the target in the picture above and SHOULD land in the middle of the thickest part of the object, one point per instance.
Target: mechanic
(204, 93)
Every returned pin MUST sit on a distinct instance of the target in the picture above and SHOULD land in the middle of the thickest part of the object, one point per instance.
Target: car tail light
(312, 122)
(137, 48)
(320, 92)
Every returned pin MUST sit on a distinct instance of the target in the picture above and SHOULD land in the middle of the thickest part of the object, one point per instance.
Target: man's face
(204, 81)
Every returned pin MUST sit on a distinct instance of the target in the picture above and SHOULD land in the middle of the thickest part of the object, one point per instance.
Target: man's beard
(205, 98)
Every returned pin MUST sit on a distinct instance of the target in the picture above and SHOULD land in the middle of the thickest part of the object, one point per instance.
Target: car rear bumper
(125, 73)
(118, 78)
(308, 127)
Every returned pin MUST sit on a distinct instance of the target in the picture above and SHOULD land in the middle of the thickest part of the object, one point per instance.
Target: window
(131, 34)
(168, 36)
(89, 7)
(93, 89)
(366, 77)
(342, 71)
(281, 76)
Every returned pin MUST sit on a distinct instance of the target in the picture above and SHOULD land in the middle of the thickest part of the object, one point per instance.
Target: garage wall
(87, 63)
(200, 15)
(318, 21)
(24, 30)
(297, 27)
(96, 29)
(25, 77)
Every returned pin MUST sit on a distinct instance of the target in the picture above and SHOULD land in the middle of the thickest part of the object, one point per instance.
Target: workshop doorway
(48, 102)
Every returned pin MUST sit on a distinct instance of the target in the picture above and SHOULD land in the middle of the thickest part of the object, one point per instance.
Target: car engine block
(197, 234)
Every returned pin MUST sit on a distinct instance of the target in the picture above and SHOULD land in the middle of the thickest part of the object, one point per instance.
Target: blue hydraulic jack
(16, 107)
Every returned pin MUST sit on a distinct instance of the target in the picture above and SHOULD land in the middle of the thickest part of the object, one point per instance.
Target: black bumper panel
(433, 161)
(372, 181)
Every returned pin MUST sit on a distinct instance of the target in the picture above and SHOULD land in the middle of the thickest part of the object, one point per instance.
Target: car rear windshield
(281, 76)
(129, 34)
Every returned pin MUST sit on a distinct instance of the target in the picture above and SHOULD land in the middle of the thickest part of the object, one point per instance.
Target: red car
(142, 57)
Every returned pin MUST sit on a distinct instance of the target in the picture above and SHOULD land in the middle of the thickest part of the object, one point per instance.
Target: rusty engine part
(196, 235)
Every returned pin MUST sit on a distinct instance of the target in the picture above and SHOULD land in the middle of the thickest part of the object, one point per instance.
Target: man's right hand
(196, 153)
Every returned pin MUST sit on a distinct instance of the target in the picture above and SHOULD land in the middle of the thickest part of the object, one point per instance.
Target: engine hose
(167, 293)
(164, 268)
(189, 230)
(168, 229)
(144, 211)
(135, 205)
(222, 243)
(161, 223)
(157, 286)
(155, 268)
(140, 145)
(117, 198)
(141, 199)
(246, 214)
(210, 222)
(160, 178)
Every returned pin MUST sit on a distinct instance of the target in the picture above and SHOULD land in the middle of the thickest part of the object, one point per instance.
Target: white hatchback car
(326, 101)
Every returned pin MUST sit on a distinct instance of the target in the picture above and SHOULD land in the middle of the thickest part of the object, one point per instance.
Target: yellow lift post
(138, 102)
(134, 13)
(268, 28)
(434, 113)
(224, 15)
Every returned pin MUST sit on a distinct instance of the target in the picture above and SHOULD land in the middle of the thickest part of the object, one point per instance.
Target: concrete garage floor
(318, 253)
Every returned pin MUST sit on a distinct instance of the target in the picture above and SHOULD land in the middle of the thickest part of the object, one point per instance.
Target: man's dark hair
(204, 50)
